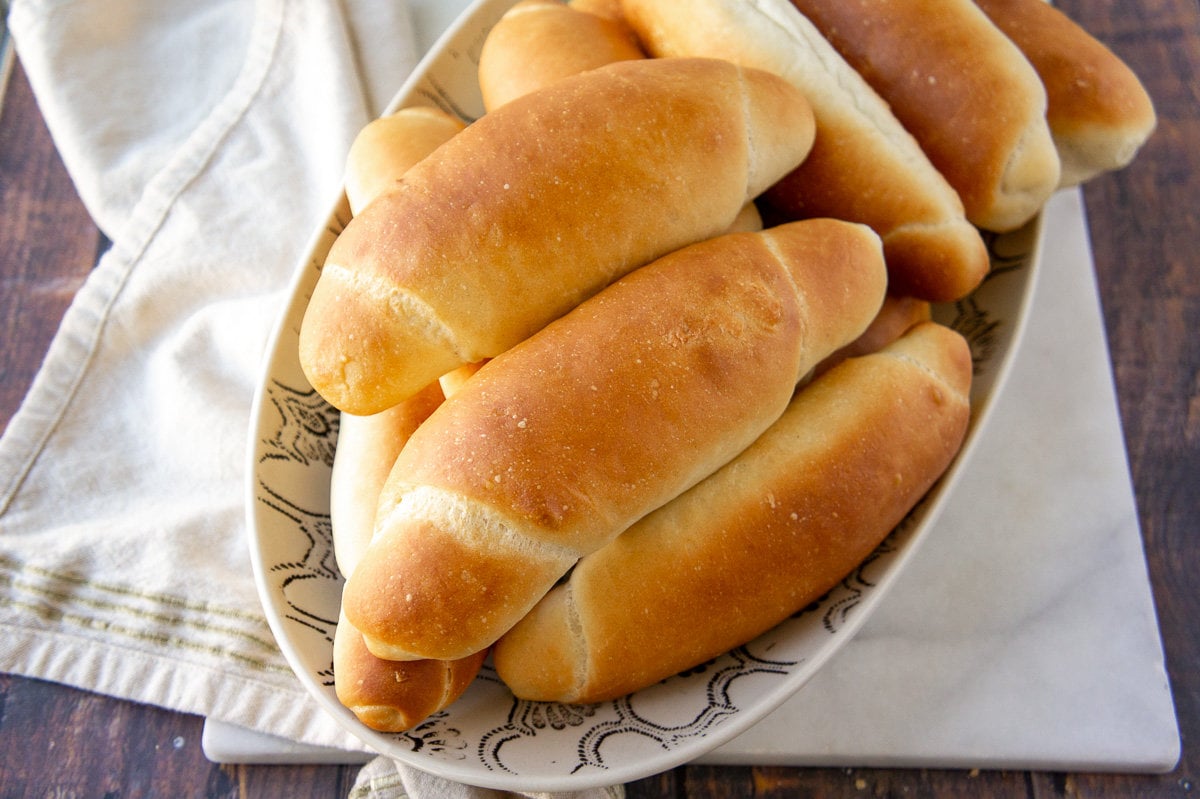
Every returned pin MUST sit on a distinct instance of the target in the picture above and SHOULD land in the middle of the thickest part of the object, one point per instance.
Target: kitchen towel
(207, 140)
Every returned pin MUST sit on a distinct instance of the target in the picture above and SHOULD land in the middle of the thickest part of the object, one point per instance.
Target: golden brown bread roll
(533, 208)
(863, 167)
(1099, 112)
(561, 442)
(962, 88)
(387, 147)
(758, 540)
(537, 42)
(385, 695)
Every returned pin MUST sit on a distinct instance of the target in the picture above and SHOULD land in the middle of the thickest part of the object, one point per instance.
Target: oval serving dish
(488, 738)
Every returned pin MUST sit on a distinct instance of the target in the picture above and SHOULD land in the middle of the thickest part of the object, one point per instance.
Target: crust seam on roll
(579, 634)
(789, 27)
(801, 297)
(909, 227)
(1019, 185)
(399, 301)
(447, 683)
(925, 369)
(751, 145)
(456, 515)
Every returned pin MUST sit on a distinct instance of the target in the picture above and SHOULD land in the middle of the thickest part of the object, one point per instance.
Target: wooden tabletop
(1145, 232)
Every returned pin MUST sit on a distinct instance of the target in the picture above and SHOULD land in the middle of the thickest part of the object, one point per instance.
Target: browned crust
(423, 593)
(571, 428)
(863, 166)
(384, 695)
(759, 540)
(533, 208)
(367, 448)
(557, 445)
(896, 317)
(1097, 107)
(962, 88)
(609, 9)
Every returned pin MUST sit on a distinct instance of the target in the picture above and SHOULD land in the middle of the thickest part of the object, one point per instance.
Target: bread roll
(384, 695)
(760, 539)
(533, 208)
(1099, 113)
(962, 88)
(896, 316)
(393, 696)
(451, 382)
(541, 41)
(367, 447)
(387, 147)
(864, 167)
(609, 9)
(558, 444)
(748, 220)
(538, 42)
(381, 154)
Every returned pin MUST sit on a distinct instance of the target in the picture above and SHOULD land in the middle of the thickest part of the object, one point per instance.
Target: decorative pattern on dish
(308, 427)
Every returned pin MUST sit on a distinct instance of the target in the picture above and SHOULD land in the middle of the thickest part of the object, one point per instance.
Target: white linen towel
(206, 140)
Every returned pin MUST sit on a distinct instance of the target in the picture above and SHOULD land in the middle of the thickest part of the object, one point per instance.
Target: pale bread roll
(758, 540)
(452, 381)
(387, 147)
(748, 220)
(538, 42)
(1098, 110)
(535, 207)
(558, 444)
(962, 88)
(864, 166)
(385, 695)
(367, 448)
(393, 696)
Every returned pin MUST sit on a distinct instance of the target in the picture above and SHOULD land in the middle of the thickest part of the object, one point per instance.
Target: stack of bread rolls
(533, 208)
(651, 339)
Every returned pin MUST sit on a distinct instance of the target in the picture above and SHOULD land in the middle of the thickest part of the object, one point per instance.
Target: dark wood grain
(48, 243)
(1145, 230)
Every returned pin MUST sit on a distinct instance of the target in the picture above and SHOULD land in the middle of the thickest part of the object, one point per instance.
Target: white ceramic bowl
(488, 738)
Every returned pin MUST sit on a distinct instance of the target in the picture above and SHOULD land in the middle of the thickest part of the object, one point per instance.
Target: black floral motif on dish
(308, 426)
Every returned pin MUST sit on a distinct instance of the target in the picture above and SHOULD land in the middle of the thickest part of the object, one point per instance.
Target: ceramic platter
(488, 738)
